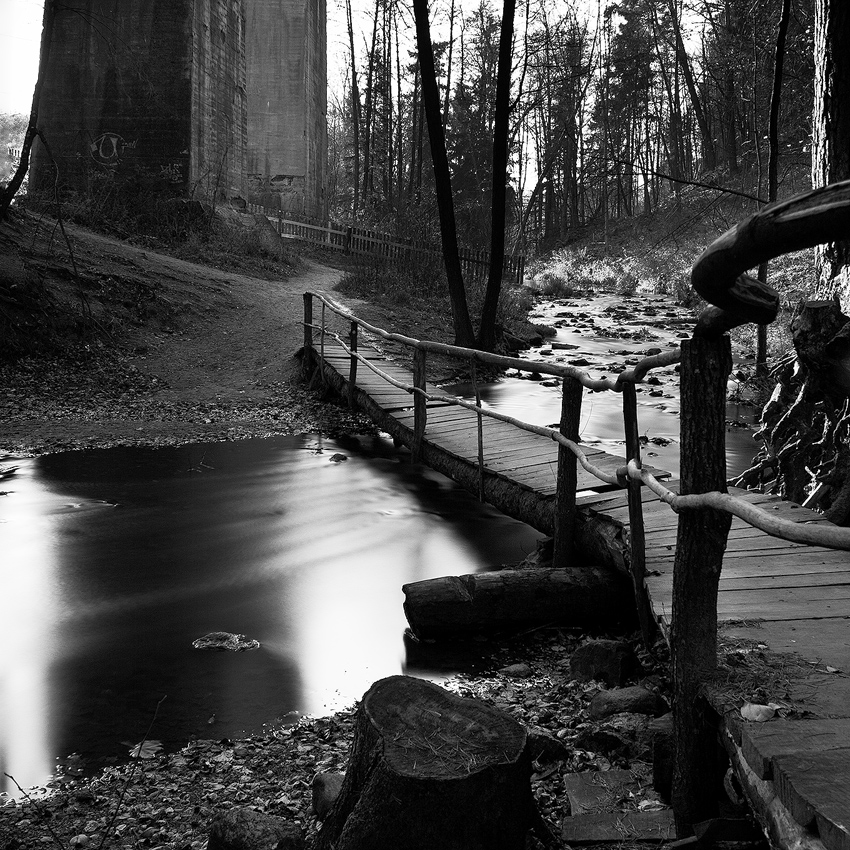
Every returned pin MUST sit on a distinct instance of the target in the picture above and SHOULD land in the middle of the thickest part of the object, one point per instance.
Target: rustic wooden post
(420, 404)
(567, 476)
(480, 419)
(308, 333)
(322, 346)
(637, 538)
(700, 544)
(352, 369)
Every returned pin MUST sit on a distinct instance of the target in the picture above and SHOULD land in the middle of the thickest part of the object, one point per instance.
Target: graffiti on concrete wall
(108, 149)
(172, 172)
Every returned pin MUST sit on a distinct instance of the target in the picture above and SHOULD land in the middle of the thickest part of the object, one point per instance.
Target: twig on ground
(138, 756)
(44, 815)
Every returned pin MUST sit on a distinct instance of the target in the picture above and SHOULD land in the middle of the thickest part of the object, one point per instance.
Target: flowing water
(115, 560)
(605, 334)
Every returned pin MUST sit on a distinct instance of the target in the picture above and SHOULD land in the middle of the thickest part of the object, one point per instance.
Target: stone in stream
(222, 641)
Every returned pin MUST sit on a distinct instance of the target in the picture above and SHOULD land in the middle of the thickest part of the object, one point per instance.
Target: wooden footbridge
(769, 576)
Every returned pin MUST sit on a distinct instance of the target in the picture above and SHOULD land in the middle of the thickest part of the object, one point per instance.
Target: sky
(20, 31)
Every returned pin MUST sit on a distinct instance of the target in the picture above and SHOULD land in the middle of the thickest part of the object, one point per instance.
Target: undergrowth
(422, 286)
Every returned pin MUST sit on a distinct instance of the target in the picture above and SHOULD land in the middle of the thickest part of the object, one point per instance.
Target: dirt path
(217, 362)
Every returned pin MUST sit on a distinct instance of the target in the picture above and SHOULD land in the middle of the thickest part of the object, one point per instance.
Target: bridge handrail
(542, 430)
(634, 375)
(828, 536)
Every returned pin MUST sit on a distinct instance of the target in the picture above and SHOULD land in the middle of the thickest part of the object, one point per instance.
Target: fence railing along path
(756, 557)
(364, 241)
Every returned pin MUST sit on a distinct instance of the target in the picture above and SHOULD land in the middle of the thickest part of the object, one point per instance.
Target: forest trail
(204, 354)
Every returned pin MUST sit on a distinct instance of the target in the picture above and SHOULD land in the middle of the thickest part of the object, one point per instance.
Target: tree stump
(428, 770)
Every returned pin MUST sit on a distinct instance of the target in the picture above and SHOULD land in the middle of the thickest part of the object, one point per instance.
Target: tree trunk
(510, 600)
(487, 328)
(773, 161)
(709, 154)
(430, 770)
(831, 134)
(464, 335)
(9, 192)
(355, 114)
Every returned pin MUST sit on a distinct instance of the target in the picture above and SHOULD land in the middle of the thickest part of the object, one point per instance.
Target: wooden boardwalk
(788, 598)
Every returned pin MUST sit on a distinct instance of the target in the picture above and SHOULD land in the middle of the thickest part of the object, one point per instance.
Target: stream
(116, 560)
(605, 334)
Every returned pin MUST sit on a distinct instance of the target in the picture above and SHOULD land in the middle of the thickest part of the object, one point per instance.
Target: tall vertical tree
(831, 133)
(487, 328)
(464, 334)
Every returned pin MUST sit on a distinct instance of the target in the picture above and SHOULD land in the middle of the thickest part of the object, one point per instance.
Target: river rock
(545, 747)
(608, 661)
(245, 829)
(634, 700)
(602, 741)
(325, 789)
(517, 671)
(221, 641)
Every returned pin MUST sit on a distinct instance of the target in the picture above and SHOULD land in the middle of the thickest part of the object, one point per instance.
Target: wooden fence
(363, 241)
(704, 507)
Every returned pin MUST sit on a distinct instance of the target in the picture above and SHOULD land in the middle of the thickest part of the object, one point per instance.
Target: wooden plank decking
(792, 598)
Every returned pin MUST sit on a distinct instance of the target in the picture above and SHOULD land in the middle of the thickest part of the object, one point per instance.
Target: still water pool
(115, 560)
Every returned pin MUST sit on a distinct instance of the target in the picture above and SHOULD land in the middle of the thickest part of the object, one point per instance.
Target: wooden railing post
(308, 333)
(480, 418)
(637, 537)
(322, 345)
(420, 405)
(352, 369)
(567, 476)
(700, 544)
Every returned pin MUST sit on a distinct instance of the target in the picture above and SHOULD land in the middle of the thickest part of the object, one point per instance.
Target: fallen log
(591, 598)
(428, 770)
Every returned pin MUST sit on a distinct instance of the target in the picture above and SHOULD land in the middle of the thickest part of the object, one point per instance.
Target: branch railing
(704, 506)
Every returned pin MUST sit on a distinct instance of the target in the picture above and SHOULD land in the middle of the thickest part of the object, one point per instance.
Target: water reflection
(27, 611)
(115, 560)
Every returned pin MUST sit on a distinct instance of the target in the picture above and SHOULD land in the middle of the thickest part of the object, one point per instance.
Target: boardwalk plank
(814, 789)
(761, 743)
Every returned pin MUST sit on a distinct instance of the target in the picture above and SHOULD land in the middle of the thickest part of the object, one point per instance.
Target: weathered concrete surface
(150, 94)
(287, 127)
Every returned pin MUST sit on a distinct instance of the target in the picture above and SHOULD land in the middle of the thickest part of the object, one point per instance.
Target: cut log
(428, 770)
(461, 606)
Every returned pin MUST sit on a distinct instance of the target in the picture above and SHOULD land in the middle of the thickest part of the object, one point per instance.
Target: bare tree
(464, 334)
(8, 194)
(487, 328)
